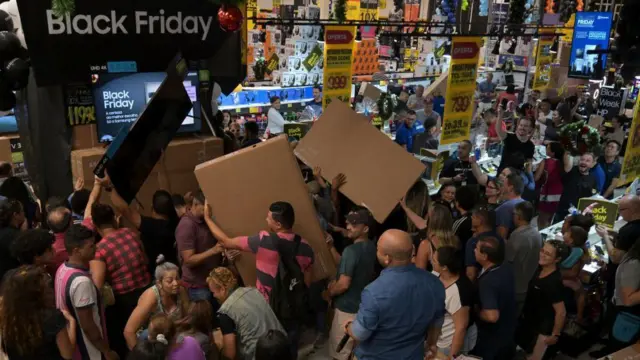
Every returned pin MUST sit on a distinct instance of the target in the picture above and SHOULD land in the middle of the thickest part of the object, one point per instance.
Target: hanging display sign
(544, 59)
(338, 59)
(631, 163)
(103, 36)
(461, 86)
(369, 10)
(591, 32)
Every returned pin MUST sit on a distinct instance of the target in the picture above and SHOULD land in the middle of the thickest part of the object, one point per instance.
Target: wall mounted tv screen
(121, 98)
(8, 122)
(591, 33)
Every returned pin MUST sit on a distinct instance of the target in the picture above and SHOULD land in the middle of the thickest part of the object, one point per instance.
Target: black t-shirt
(7, 261)
(496, 291)
(576, 186)
(513, 145)
(628, 235)
(453, 167)
(227, 325)
(52, 323)
(543, 292)
(158, 237)
(462, 229)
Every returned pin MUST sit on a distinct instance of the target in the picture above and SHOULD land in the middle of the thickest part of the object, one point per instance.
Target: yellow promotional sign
(369, 10)
(353, 9)
(338, 60)
(544, 58)
(461, 85)
(631, 163)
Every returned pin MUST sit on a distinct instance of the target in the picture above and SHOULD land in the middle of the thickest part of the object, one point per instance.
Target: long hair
(26, 298)
(440, 219)
(417, 200)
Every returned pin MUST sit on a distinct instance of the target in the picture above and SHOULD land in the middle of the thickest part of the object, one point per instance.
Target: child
(575, 237)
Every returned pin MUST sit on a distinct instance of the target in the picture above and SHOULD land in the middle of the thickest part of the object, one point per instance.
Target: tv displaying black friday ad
(120, 98)
(137, 147)
(591, 33)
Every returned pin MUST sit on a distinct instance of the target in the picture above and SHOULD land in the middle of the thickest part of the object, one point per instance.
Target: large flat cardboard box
(84, 137)
(242, 185)
(630, 352)
(379, 171)
(5, 148)
(185, 154)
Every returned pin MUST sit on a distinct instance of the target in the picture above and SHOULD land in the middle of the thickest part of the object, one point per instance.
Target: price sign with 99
(460, 103)
(337, 81)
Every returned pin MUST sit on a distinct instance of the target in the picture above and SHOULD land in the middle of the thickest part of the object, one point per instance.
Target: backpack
(289, 297)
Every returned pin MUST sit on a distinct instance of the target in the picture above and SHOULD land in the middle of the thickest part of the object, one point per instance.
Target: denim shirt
(395, 313)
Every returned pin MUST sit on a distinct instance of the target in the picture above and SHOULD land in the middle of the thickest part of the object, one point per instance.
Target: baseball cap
(359, 217)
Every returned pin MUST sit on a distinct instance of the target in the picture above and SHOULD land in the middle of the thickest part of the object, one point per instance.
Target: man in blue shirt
(482, 224)
(486, 93)
(511, 192)
(496, 312)
(400, 307)
(408, 129)
(610, 169)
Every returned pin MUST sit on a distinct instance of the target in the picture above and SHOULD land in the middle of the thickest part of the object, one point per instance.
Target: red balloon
(230, 18)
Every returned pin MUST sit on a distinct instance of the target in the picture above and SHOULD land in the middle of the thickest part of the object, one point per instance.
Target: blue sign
(591, 32)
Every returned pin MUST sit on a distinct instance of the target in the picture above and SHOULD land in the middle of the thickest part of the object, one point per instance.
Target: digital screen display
(121, 98)
(8, 122)
(591, 32)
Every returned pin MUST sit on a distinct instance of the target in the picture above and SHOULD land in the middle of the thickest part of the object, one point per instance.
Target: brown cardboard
(439, 86)
(369, 91)
(5, 149)
(630, 352)
(84, 137)
(185, 154)
(379, 172)
(242, 185)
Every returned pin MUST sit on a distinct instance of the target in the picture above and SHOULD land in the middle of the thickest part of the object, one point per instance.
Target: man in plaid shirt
(121, 261)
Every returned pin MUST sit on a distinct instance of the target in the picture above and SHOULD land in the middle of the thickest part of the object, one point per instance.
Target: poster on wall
(461, 86)
(544, 59)
(591, 33)
(79, 105)
(338, 60)
(631, 163)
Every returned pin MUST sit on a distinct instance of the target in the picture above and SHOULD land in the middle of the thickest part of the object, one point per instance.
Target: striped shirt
(267, 257)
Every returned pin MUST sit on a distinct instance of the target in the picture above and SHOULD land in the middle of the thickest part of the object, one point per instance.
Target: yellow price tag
(254, 109)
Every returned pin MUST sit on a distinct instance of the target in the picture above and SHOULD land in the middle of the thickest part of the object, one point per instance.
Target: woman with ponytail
(164, 344)
(166, 297)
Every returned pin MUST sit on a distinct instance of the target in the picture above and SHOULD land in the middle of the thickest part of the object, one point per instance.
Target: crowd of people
(464, 272)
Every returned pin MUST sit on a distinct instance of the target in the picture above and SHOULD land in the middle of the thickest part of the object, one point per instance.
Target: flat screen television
(137, 147)
(120, 98)
(590, 38)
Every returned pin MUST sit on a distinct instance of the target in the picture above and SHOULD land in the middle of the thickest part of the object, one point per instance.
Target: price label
(273, 63)
(336, 82)
(81, 115)
(460, 101)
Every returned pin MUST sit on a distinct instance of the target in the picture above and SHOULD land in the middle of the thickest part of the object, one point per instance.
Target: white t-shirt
(275, 122)
(457, 295)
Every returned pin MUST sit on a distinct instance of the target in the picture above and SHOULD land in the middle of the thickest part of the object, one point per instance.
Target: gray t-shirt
(627, 276)
(358, 262)
(523, 251)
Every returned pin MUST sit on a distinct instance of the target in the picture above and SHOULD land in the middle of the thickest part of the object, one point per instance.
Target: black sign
(79, 104)
(296, 131)
(610, 102)
(117, 36)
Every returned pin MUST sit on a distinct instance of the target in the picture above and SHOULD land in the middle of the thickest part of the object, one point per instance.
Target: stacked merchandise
(301, 56)
(365, 57)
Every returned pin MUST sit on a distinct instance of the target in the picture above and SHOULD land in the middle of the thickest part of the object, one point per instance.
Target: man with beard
(383, 329)
(518, 142)
(356, 270)
(578, 183)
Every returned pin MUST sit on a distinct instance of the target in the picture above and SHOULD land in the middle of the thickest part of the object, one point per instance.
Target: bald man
(59, 220)
(629, 208)
(399, 307)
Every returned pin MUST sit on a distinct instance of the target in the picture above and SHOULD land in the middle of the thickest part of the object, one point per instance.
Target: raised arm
(477, 172)
(226, 241)
(124, 209)
(568, 164)
(416, 219)
(502, 134)
(94, 197)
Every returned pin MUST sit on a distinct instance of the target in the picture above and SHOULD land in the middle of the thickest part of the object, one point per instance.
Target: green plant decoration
(63, 7)
(386, 103)
(260, 68)
(340, 11)
(579, 138)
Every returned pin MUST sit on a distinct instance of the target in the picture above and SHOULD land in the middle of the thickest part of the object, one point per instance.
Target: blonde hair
(445, 238)
(224, 277)
(440, 218)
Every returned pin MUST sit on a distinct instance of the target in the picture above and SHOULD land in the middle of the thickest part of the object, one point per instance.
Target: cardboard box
(84, 137)
(369, 91)
(5, 148)
(630, 352)
(379, 171)
(240, 188)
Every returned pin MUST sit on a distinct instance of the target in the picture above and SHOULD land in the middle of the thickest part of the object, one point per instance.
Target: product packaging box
(84, 137)
(241, 186)
(379, 171)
